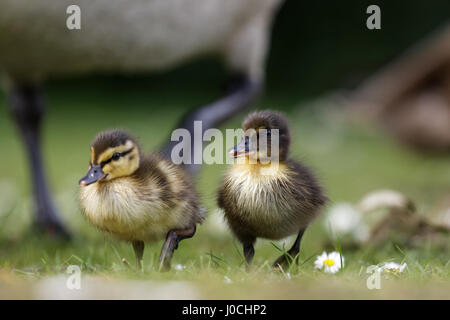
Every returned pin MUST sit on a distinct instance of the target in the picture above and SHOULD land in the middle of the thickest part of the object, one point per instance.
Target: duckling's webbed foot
(27, 109)
(171, 244)
(291, 255)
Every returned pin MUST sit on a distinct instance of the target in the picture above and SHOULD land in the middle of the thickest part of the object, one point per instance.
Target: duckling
(268, 199)
(138, 197)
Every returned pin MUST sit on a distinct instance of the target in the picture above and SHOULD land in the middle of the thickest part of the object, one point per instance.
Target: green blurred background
(317, 47)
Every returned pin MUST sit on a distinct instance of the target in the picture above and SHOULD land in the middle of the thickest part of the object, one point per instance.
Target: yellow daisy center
(329, 262)
(394, 270)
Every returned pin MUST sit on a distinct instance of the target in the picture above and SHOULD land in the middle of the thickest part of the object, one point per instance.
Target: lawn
(350, 160)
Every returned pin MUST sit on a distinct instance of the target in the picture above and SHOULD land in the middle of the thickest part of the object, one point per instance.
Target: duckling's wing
(306, 183)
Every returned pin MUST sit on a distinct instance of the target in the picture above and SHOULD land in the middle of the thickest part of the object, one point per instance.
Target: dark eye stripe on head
(120, 154)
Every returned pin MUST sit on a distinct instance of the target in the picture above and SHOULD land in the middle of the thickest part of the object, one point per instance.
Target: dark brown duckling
(270, 200)
(138, 197)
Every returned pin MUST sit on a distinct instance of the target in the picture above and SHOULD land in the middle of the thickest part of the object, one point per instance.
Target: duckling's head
(259, 127)
(114, 154)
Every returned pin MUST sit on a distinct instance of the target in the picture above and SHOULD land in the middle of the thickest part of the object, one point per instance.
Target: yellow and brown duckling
(138, 197)
(268, 200)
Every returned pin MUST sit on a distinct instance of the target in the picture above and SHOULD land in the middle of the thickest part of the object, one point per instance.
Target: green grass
(350, 160)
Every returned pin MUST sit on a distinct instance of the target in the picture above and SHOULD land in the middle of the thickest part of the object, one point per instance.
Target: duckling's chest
(128, 212)
(258, 190)
(112, 198)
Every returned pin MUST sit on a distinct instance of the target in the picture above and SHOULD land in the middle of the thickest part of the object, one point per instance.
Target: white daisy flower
(343, 218)
(227, 280)
(329, 262)
(392, 267)
(180, 267)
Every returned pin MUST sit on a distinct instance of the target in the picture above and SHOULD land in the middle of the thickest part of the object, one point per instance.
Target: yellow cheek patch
(108, 168)
(125, 166)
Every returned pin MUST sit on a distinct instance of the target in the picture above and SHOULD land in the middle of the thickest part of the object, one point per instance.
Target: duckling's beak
(94, 174)
(241, 149)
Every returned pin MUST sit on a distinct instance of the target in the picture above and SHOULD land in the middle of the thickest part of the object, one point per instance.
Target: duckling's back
(272, 201)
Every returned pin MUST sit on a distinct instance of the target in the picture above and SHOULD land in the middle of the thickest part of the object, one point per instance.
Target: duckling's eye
(115, 156)
(247, 143)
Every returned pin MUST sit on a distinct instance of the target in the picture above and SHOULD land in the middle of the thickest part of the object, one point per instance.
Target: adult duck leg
(244, 55)
(240, 94)
(27, 109)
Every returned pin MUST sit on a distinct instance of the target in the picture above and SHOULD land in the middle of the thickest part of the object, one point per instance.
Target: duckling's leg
(249, 252)
(27, 108)
(292, 254)
(171, 244)
(138, 247)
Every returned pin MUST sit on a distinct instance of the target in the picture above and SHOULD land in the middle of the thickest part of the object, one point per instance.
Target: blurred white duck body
(132, 35)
